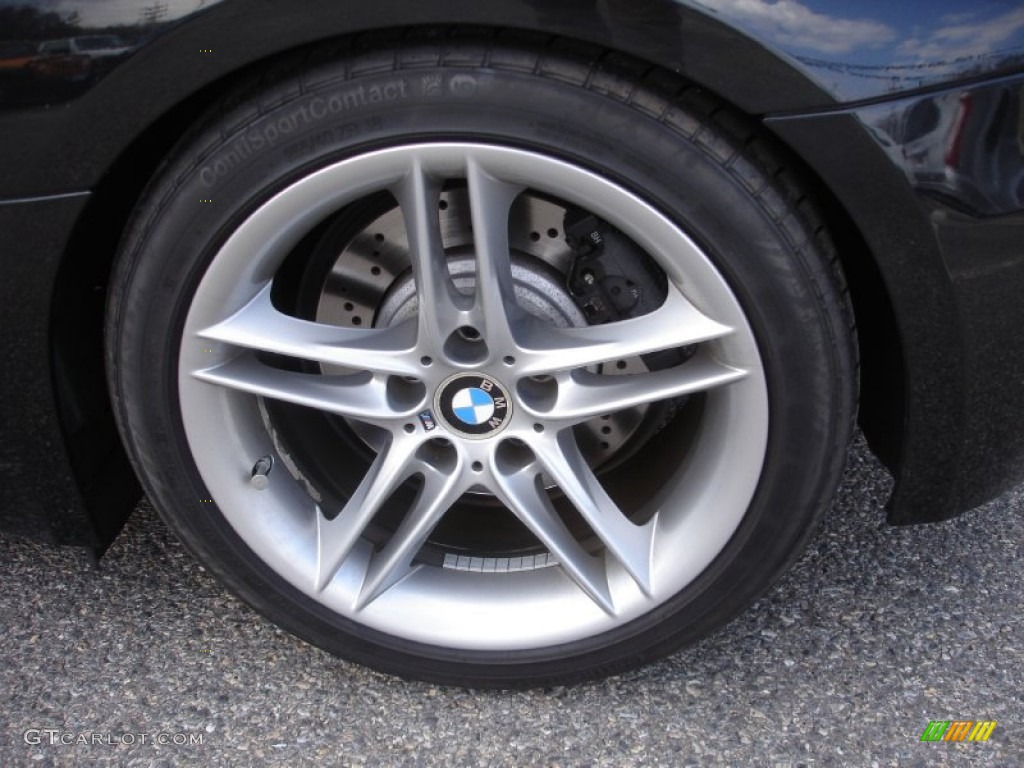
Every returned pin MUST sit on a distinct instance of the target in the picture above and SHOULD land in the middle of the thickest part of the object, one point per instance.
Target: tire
(454, 483)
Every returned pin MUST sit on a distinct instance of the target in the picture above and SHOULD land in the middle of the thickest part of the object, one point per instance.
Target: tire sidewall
(679, 164)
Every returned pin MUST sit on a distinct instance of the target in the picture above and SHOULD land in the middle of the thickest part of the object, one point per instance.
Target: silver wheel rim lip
(698, 509)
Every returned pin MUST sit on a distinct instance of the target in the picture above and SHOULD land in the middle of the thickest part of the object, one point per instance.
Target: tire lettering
(241, 149)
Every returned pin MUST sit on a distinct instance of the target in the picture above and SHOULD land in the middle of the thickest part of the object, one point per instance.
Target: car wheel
(480, 361)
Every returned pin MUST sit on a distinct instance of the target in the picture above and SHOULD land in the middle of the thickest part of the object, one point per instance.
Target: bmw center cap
(473, 405)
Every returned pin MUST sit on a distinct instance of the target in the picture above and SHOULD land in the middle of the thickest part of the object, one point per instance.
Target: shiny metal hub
(474, 406)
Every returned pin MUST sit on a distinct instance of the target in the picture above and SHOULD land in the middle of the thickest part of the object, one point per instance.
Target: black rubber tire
(689, 155)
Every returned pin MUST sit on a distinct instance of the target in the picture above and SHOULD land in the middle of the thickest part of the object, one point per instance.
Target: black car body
(907, 120)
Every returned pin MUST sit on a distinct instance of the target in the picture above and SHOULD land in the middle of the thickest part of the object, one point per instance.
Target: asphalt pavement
(145, 660)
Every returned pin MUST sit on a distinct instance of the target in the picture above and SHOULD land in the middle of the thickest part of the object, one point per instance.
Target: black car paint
(935, 262)
(949, 244)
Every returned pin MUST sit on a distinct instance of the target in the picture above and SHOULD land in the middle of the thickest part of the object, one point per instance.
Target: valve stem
(260, 471)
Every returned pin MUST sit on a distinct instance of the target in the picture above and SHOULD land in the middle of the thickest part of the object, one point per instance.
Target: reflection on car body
(965, 146)
(76, 59)
(15, 54)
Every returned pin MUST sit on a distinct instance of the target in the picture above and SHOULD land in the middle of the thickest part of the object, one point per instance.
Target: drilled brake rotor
(371, 284)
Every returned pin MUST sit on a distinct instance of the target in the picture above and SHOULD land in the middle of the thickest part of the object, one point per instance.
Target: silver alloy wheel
(549, 382)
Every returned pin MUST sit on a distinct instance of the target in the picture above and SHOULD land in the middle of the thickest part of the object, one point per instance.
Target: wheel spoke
(259, 326)
(630, 544)
(583, 395)
(676, 323)
(490, 201)
(522, 491)
(442, 308)
(441, 488)
(362, 396)
(336, 538)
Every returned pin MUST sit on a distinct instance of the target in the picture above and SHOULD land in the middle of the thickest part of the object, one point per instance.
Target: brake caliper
(611, 278)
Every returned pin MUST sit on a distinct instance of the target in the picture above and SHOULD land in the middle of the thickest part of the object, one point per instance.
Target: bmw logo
(473, 405)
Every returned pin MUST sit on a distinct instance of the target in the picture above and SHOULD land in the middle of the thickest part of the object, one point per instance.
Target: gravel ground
(875, 632)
